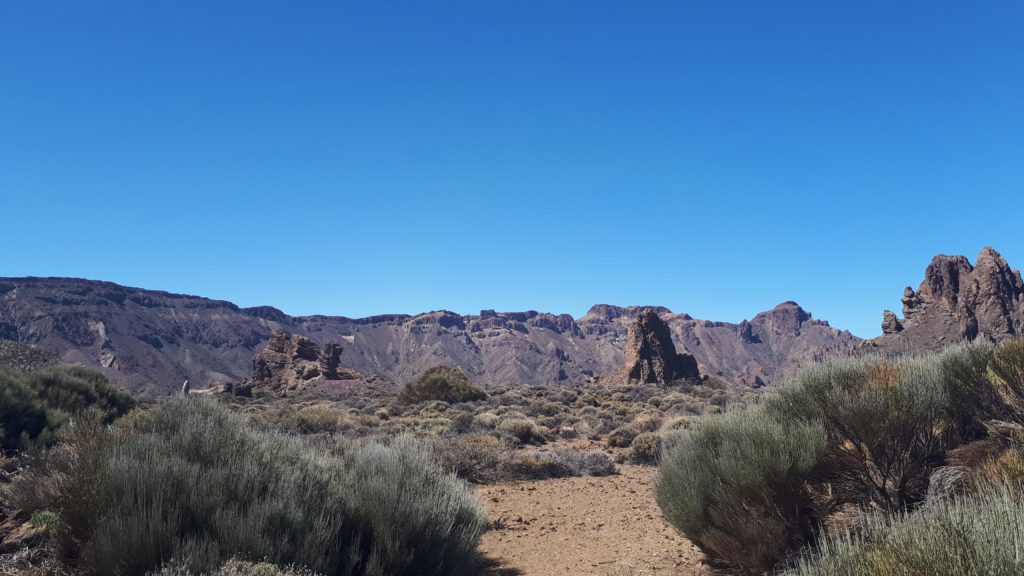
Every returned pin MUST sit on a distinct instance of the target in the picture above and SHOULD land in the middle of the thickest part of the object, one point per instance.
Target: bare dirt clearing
(599, 526)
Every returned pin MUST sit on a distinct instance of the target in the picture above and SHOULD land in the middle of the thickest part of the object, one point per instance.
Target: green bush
(194, 484)
(1008, 367)
(34, 406)
(557, 464)
(73, 389)
(734, 486)
(869, 433)
(523, 430)
(646, 448)
(622, 437)
(442, 383)
(972, 396)
(965, 536)
(23, 416)
(886, 422)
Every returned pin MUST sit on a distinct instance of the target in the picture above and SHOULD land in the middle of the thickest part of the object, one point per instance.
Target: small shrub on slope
(74, 389)
(23, 416)
(442, 383)
(34, 406)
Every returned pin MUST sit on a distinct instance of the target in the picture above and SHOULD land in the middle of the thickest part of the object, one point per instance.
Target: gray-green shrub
(34, 406)
(885, 420)
(194, 484)
(74, 389)
(442, 383)
(734, 486)
(523, 430)
(646, 448)
(976, 535)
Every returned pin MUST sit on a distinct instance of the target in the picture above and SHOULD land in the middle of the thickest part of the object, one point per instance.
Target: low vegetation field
(879, 466)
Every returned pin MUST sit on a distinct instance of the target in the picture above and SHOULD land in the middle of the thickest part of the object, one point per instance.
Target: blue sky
(356, 158)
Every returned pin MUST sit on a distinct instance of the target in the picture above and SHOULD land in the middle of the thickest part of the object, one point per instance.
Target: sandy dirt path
(586, 526)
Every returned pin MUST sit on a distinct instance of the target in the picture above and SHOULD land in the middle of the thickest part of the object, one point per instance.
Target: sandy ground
(607, 526)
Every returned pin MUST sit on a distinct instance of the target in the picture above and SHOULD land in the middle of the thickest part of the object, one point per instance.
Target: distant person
(185, 388)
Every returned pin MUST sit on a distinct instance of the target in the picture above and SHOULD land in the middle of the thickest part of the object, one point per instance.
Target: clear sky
(356, 158)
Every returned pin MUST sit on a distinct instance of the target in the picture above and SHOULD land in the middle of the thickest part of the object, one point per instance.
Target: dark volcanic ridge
(150, 341)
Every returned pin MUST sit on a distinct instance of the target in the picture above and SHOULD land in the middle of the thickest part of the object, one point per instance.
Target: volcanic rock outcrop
(957, 302)
(651, 356)
(293, 362)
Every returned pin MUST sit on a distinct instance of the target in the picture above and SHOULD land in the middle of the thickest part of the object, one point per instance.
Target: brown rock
(890, 324)
(292, 362)
(650, 354)
(958, 302)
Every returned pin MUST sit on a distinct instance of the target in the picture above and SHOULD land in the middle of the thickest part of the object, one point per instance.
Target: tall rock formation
(294, 362)
(651, 356)
(957, 302)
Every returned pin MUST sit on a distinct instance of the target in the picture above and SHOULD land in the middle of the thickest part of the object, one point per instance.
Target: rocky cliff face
(151, 341)
(651, 356)
(292, 362)
(957, 302)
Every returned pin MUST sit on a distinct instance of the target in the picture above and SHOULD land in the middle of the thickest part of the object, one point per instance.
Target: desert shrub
(473, 457)
(885, 421)
(964, 536)
(487, 420)
(195, 484)
(540, 408)
(74, 389)
(34, 406)
(520, 465)
(585, 463)
(734, 486)
(462, 423)
(993, 461)
(422, 520)
(523, 430)
(622, 437)
(1008, 367)
(442, 383)
(972, 397)
(484, 459)
(24, 418)
(532, 466)
(319, 418)
(564, 397)
(646, 448)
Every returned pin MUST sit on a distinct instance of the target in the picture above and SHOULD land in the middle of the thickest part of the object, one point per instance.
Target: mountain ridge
(151, 340)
